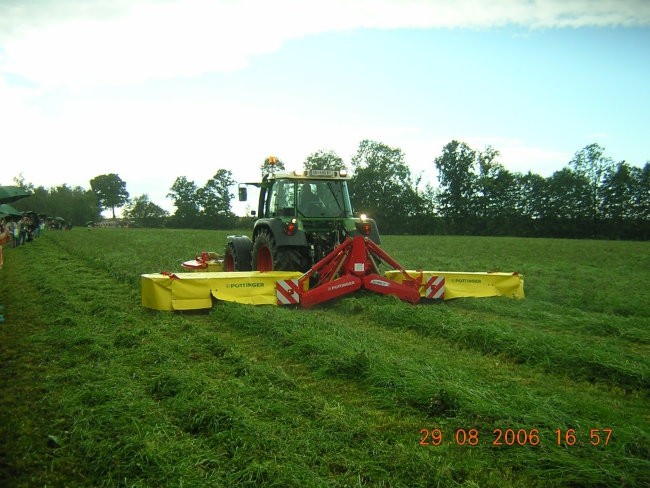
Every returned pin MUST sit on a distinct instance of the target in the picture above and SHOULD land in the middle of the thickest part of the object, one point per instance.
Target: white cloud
(80, 43)
(522, 156)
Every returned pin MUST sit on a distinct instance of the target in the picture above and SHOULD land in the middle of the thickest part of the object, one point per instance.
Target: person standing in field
(36, 227)
(24, 230)
(11, 225)
(4, 238)
(23, 225)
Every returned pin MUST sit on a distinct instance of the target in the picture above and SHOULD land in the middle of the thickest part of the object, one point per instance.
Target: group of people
(16, 232)
(23, 230)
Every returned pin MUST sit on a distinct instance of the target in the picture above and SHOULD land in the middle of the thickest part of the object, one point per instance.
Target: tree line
(592, 197)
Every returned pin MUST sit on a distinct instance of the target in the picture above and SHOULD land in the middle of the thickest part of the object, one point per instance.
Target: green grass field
(99, 391)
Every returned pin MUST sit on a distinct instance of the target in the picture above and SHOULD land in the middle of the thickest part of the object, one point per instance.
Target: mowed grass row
(453, 388)
(553, 329)
(336, 395)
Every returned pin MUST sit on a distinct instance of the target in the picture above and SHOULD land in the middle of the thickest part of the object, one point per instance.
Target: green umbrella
(10, 194)
(6, 209)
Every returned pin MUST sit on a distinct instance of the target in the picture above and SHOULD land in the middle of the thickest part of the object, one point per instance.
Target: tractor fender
(275, 227)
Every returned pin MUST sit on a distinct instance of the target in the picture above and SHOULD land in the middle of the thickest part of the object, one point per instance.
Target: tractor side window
(281, 200)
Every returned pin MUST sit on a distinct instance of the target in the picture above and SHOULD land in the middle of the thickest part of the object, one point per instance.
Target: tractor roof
(304, 174)
(312, 174)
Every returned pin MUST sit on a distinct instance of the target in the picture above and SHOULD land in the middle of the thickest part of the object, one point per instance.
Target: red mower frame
(353, 265)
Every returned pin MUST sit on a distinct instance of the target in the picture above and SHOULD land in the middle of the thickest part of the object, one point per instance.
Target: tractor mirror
(253, 213)
(243, 194)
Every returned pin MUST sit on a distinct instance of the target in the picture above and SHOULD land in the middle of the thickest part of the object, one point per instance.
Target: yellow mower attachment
(193, 291)
(453, 284)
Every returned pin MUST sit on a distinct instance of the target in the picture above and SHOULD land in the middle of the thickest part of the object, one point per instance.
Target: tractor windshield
(323, 199)
(309, 199)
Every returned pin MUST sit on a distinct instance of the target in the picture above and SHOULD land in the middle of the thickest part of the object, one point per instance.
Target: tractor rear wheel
(267, 256)
(292, 259)
(264, 251)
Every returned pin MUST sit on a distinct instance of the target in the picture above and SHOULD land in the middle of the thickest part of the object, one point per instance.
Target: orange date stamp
(516, 437)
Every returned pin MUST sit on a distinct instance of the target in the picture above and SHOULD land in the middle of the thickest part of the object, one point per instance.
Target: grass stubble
(98, 391)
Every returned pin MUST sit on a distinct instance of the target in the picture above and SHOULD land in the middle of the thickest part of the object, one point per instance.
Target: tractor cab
(302, 216)
(306, 195)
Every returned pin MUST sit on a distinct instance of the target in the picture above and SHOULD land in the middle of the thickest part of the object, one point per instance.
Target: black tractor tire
(234, 261)
(292, 258)
(267, 256)
(264, 252)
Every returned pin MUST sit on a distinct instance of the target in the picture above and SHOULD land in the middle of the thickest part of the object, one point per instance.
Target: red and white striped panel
(435, 288)
(286, 292)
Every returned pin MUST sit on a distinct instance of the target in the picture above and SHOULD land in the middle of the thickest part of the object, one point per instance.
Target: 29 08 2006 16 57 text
(508, 437)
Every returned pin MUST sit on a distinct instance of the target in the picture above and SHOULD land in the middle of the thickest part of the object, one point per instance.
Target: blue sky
(155, 89)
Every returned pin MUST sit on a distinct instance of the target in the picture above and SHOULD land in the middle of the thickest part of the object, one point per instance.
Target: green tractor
(302, 217)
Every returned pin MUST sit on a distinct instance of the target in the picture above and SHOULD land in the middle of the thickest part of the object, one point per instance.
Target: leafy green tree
(641, 196)
(531, 195)
(618, 191)
(83, 206)
(457, 178)
(383, 187)
(567, 212)
(591, 164)
(76, 205)
(479, 193)
(38, 202)
(487, 193)
(185, 197)
(271, 165)
(110, 190)
(502, 215)
(214, 198)
(324, 160)
(626, 201)
(19, 180)
(145, 212)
